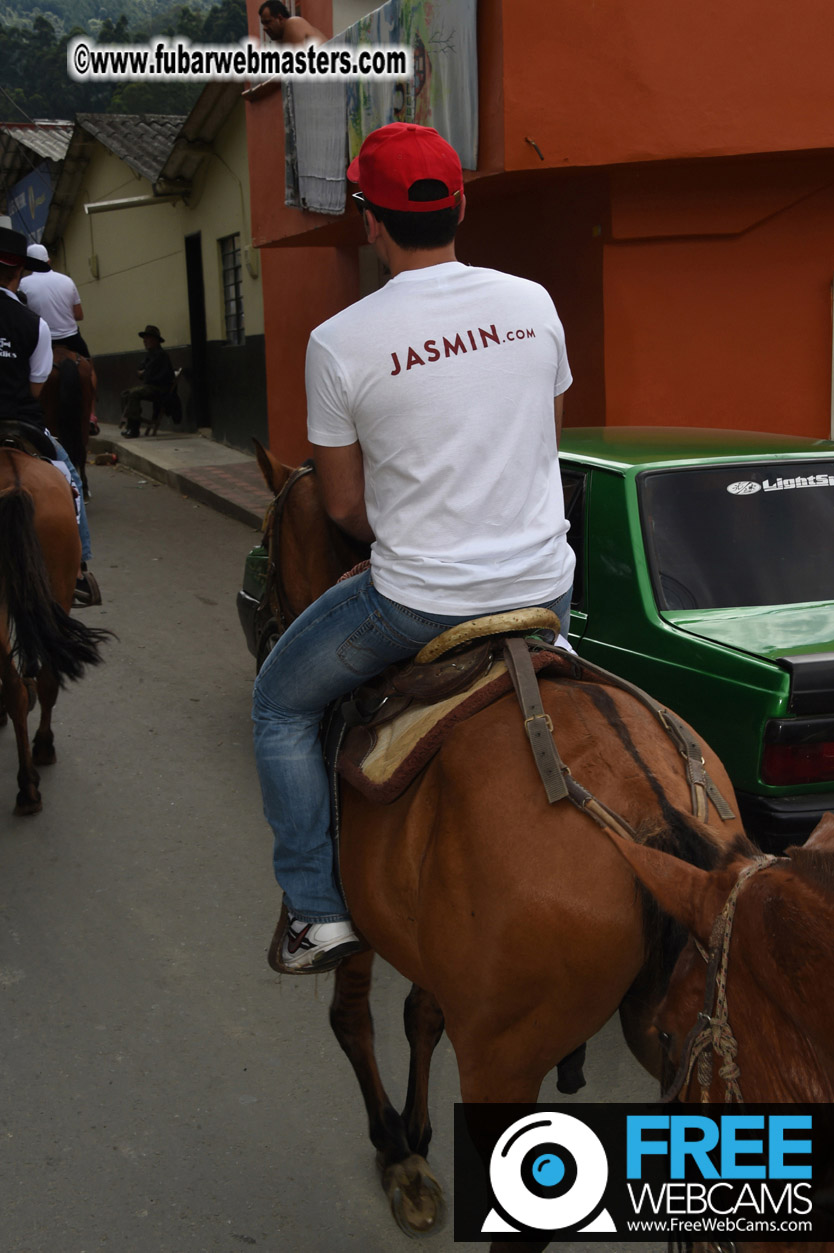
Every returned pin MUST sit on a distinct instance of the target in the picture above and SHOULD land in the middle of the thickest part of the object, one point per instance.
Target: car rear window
(739, 535)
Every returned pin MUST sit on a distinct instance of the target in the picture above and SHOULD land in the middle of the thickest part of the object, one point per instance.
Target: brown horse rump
(381, 757)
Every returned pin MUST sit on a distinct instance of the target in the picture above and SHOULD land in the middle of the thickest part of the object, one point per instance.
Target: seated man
(157, 375)
(25, 365)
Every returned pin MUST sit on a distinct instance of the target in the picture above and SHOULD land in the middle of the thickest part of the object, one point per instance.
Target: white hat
(38, 252)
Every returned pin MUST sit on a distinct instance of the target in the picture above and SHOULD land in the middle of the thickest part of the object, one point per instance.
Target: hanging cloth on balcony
(314, 144)
(443, 89)
(441, 92)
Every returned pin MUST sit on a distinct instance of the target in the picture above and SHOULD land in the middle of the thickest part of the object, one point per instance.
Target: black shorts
(76, 342)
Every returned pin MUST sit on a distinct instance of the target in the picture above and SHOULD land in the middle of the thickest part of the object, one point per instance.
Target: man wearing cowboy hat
(25, 365)
(157, 375)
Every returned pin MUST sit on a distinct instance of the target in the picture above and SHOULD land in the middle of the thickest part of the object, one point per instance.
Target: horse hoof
(571, 1082)
(25, 806)
(415, 1196)
(570, 1073)
(43, 754)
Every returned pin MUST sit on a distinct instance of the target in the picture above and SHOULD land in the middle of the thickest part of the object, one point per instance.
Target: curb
(129, 456)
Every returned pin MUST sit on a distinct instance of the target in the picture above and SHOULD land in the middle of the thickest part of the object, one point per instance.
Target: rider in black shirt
(25, 365)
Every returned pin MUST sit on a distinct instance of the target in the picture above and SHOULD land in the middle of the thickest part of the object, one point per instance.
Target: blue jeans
(347, 636)
(83, 528)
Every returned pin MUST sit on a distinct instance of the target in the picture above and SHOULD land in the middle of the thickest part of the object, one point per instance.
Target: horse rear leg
(17, 703)
(423, 1020)
(353, 1027)
(498, 1079)
(43, 745)
(413, 1192)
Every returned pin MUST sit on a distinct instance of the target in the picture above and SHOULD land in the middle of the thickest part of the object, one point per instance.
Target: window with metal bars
(232, 288)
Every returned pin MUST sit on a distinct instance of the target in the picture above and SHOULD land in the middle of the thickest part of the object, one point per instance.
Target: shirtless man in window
(282, 28)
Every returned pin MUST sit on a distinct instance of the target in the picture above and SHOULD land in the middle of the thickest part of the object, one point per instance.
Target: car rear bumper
(775, 822)
(246, 609)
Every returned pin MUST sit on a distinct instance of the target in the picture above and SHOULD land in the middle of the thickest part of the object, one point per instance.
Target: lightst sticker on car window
(746, 487)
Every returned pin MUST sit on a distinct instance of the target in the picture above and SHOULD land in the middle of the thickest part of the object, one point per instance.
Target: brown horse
(517, 922)
(758, 964)
(771, 923)
(40, 644)
(67, 399)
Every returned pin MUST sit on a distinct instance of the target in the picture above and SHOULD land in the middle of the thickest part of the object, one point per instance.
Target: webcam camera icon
(548, 1172)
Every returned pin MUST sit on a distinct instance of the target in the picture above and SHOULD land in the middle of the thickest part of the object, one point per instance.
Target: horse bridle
(711, 1034)
(272, 527)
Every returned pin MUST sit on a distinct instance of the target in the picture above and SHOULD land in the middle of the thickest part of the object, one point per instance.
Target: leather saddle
(26, 438)
(445, 667)
(386, 731)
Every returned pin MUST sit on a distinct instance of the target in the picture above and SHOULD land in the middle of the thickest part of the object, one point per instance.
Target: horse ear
(822, 836)
(690, 895)
(274, 473)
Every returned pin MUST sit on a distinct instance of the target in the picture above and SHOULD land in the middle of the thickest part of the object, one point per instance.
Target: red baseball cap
(402, 153)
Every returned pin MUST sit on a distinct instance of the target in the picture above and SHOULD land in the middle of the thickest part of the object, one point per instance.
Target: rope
(715, 1037)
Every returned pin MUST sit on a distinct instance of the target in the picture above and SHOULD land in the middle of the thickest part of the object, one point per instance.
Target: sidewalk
(222, 478)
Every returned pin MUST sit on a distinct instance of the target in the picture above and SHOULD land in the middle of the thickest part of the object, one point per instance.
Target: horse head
(309, 551)
(745, 994)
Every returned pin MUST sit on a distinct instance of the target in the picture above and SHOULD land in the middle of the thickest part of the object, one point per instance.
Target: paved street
(162, 1090)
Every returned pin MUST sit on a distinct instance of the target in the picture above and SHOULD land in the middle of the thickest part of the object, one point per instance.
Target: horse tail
(44, 633)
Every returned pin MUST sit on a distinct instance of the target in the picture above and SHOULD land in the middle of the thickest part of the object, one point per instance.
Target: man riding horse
(434, 409)
(25, 365)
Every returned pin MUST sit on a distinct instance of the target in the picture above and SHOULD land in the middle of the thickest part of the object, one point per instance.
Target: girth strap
(537, 723)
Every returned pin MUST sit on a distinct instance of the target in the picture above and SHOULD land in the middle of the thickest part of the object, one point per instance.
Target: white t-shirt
(53, 296)
(446, 377)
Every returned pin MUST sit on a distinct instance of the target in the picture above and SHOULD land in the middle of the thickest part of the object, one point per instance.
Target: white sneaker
(310, 947)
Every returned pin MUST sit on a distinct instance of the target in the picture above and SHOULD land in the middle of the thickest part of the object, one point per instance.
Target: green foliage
(33, 62)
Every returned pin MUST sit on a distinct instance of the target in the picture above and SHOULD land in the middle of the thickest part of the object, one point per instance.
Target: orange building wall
(694, 284)
(302, 287)
(722, 329)
(639, 80)
(553, 234)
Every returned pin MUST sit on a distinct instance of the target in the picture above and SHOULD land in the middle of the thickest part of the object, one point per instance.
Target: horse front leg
(43, 745)
(408, 1183)
(413, 1190)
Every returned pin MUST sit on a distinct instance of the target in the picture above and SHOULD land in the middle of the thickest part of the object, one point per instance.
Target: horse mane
(815, 866)
(682, 836)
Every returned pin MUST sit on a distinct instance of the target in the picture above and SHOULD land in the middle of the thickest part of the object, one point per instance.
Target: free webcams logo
(644, 1172)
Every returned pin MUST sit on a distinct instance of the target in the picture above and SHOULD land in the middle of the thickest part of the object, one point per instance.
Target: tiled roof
(142, 140)
(48, 139)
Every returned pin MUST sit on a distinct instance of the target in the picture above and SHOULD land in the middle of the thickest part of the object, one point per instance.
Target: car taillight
(786, 764)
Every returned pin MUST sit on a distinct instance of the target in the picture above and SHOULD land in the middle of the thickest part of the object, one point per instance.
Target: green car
(704, 574)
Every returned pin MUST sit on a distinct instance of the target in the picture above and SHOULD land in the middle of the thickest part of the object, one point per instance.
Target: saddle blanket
(381, 760)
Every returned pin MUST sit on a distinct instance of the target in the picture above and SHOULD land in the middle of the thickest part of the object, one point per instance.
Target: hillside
(148, 16)
(33, 73)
